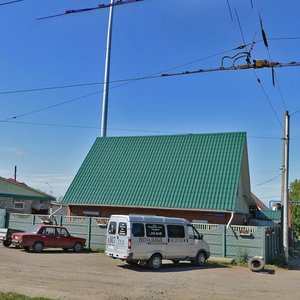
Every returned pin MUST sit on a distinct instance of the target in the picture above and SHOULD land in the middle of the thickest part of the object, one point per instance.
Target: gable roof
(13, 189)
(195, 171)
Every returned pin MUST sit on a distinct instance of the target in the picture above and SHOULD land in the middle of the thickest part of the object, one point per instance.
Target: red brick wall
(210, 217)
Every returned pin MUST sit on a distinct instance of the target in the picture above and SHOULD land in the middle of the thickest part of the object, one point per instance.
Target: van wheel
(200, 259)
(175, 261)
(155, 262)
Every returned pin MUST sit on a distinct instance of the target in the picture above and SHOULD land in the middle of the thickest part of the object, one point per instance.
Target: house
(17, 197)
(203, 177)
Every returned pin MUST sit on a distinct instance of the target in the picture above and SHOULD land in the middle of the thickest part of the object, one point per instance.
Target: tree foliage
(295, 208)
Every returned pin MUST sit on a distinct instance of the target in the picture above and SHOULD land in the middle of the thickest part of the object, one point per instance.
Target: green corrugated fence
(237, 242)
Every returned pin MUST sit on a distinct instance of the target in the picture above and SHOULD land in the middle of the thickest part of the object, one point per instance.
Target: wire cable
(127, 81)
(121, 129)
(272, 179)
(151, 76)
(258, 80)
(10, 2)
(269, 54)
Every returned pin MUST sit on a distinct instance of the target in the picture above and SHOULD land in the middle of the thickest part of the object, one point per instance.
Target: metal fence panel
(237, 242)
(20, 221)
(2, 217)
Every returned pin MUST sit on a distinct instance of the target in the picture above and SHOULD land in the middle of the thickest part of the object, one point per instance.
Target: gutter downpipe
(230, 220)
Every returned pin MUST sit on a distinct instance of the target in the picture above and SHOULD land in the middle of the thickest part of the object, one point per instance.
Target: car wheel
(175, 261)
(78, 247)
(6, 243)
(155, 262)
(200, 259)
(38, 247)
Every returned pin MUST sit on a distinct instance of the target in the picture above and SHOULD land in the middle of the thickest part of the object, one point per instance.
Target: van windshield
(193, 233)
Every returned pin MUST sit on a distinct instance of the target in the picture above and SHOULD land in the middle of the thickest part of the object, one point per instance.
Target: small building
(200, 177)
(17, 197)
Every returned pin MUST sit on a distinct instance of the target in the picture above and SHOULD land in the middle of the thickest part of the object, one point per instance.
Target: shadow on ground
(170, 267)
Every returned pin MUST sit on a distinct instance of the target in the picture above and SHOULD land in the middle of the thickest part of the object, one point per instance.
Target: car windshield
(33, 229)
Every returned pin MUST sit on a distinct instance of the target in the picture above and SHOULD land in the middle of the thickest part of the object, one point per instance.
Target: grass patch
(15, 296)
(99, 250)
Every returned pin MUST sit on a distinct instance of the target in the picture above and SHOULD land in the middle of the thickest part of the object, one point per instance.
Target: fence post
(33, 219)
(263, 229)
(89, 232)
(224, 232)
(60, 220)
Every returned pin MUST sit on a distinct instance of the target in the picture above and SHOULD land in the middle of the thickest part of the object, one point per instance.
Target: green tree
(295, 208)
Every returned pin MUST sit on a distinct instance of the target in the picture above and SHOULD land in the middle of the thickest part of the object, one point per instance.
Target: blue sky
(149, 37)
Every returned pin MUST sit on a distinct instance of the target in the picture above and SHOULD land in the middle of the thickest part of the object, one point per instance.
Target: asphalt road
(60, 275)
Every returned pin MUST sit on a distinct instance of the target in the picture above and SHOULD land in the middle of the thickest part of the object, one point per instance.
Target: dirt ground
(60, 275)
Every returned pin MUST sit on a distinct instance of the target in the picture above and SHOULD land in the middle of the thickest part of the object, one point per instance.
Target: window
(122, 228)
(193, 233)
(62, 232)
(155, 230)
(19, 205)
(49, 231)
(112, 227)
(175, 231)
(138, 230)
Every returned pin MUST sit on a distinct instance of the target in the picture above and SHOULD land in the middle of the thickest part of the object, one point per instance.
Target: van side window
(122, 228)
(155, 230)
(175, 231)
(138, 229)
(112, 227)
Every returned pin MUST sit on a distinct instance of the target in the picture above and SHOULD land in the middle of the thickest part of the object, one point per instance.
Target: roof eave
(155, 207)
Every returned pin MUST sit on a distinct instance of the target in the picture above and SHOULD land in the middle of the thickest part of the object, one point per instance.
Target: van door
(121, 245)
(156, 239)
(177, 246)
(194, 242)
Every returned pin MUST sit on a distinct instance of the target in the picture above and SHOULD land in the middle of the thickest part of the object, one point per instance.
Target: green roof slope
(195, 171)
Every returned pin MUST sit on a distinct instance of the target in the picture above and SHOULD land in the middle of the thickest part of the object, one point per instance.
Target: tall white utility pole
(108, 48)
(286, 187)
(106, 72)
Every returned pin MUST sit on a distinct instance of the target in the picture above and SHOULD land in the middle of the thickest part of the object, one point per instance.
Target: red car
(43, 236)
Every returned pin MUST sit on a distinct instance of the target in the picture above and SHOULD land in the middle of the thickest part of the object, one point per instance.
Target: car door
(64, 240)
(49, 237)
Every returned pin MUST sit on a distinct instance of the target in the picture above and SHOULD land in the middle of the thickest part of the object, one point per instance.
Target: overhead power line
(100, 6)
(10, 2)
(113, 128)
(272, 179)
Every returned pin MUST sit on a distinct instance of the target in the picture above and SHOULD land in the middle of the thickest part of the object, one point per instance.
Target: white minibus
(149, 239)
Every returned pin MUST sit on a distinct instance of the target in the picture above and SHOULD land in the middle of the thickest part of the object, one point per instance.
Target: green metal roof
(195, 171)
(17, 190)
(268, 214)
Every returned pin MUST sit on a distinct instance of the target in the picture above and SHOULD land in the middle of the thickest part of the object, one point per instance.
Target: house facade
(200, 177)
(17, 197)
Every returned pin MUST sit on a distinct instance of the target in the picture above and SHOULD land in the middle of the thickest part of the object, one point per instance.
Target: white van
(149, 239)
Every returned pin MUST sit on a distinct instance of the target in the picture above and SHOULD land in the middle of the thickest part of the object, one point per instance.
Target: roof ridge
(177, 135)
